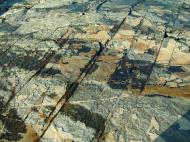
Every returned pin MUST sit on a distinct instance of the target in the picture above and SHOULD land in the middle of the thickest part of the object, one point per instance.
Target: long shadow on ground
(175, 133)
(6, 4)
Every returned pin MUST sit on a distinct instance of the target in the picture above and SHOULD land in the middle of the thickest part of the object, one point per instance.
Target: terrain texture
(95, 70)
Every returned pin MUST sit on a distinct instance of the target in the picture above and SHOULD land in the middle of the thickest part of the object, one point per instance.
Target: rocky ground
(95, 70)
